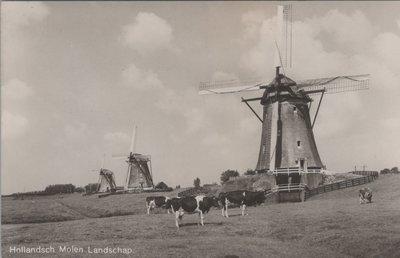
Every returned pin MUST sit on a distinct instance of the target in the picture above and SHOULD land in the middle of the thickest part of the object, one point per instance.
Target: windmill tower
(288, 149)
(106, 181)
(139, 175)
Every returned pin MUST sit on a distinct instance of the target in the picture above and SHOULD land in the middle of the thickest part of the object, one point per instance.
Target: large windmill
(139, 175)
(288, 148)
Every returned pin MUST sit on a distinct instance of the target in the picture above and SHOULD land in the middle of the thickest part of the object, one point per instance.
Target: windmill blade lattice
(230, 86)
(335, 84)
(132, 147)
(119, 156)
(283, 54)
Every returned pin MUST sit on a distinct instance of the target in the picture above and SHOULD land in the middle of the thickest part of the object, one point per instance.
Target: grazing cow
(156, 202)
(242, 198)
(365, 195)
(199, 204)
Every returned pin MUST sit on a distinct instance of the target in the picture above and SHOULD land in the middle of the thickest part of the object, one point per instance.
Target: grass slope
(333, 224)
(73, 207)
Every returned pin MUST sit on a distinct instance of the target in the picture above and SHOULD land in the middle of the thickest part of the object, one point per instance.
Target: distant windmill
(106, 179)
(288, 147)
(139, 175)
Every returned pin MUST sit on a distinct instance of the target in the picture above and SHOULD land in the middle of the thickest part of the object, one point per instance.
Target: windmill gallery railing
(280, 171)
(288, 187)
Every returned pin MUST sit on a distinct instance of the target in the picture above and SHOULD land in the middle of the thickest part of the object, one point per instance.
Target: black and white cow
(156, 202)
(242, 198)
(365, 195)
(199, 204)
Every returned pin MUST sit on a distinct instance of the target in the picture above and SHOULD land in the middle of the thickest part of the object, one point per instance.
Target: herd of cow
(202, 204)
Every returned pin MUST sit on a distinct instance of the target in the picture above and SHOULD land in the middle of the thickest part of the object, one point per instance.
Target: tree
(196, 183)
(385, 171)
(250, 172)
(228, 174)
(161, 185)
(79, 189)
(92, 188)
(395, 170)
(60, 188)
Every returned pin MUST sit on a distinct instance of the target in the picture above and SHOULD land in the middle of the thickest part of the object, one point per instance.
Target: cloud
(252, 21)
(261, 54)
(337, 114)
(168, 101)
(195, 119)
(75, 130)
(393, 123)
(13, 125)
(140, 79)
(16, 19)
(215, 139)
(147, 33)
(165, 99)
(222, 76)
(250, 125)
(346, 29)
(16, 89)
(315, 42)
(116, 137)
(386, 46)
(19, 14)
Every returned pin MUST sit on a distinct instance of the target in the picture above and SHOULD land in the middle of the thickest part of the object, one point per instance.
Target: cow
(156, 202)
(365, 195)
(242, 198)
(199, 204)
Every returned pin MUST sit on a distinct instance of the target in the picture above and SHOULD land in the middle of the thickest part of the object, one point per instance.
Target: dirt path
(75, 210)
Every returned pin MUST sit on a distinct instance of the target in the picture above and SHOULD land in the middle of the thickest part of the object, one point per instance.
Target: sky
(76, 77)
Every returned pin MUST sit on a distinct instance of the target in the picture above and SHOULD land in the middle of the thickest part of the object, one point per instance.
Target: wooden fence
(366, 173)
(340, 185)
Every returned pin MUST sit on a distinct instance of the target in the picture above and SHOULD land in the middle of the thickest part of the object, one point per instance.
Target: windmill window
(295, 109)
(298, 143)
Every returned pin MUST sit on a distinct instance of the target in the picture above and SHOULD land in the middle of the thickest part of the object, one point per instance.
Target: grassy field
(333, 224)
(72, 207)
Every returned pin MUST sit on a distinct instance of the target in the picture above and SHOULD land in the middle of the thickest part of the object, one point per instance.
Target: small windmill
(288, 147)
(106, 181)
(139, 174)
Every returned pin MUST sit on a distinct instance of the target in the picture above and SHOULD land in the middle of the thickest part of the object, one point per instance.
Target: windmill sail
(283, 54)
(133, 140)
(335, 84)
(230, 86)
